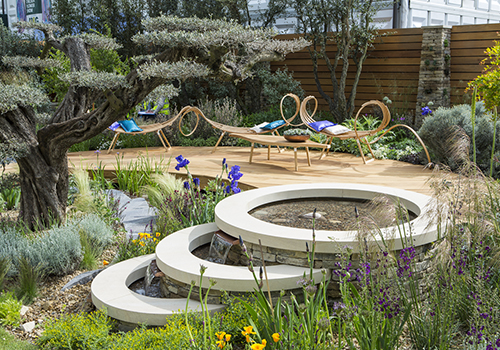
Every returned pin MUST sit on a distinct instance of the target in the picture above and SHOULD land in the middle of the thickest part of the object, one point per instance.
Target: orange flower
(276, 337)
(220, 344)
(141, 244)
(104, 262)
(247, 331)
(228, 337)
(220, 335)
(259, 346)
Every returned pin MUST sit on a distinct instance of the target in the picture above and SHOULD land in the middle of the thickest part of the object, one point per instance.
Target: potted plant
(297, 135)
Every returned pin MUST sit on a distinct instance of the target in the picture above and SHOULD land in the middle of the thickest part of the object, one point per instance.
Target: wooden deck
(279, 170)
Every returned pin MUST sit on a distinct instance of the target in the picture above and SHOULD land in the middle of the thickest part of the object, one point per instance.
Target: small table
(271, 140)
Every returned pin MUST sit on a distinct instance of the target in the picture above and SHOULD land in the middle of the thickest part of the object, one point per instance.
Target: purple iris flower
(181, 162)
(234, 173)
(186, 185)
(426, 110)
(196, 181)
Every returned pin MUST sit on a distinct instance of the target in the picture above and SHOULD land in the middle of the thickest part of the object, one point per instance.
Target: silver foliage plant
(58, 251)
(12, 96)
(23, 61)
(95, 80)
(177, 70)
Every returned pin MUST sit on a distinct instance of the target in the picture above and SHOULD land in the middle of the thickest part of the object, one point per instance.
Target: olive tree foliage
(346, 23)
(190, 47)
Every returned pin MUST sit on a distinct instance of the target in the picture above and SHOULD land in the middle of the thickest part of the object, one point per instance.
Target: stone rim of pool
(232, 216)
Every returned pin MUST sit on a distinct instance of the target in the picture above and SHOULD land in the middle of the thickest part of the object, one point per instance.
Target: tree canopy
(187, 47)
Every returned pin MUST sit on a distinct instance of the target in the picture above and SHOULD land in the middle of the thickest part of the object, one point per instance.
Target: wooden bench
(271, 140)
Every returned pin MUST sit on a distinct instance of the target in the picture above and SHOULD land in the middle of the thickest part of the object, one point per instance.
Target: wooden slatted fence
(392, 67)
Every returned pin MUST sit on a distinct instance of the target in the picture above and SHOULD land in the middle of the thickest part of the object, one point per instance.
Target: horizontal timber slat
(392, 67)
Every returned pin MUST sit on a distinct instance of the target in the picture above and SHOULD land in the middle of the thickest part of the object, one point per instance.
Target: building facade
(26, 10)
(411, 14)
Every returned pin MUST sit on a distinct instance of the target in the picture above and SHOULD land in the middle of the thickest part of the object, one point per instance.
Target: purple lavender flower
(181, 162)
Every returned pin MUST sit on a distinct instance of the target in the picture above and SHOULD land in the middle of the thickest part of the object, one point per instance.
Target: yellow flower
(142, 244)
(154, 240)
(276, 337)
(259, 346)
(134, 241)
(228, 337)
(158, 234)
(141, 235)
(220, 335)
(247, 331)
(104, 262)
(147, 235)
(220, 344)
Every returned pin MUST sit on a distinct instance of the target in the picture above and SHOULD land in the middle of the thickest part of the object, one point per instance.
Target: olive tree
(347, 24)
(191, 47)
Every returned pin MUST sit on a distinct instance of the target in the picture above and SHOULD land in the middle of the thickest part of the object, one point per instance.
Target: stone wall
(174, 289)
(434, 76)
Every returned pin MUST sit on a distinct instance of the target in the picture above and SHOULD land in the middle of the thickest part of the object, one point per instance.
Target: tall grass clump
(138, 174)
(84, 199)
(4, 269)
(29, 278)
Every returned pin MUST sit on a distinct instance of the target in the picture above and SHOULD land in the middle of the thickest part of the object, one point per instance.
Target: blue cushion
(273, 125)
(129, 125)
(318, 126)
(114, 126)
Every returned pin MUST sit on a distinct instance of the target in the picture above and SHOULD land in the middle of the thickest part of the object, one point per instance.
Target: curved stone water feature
(283, 248)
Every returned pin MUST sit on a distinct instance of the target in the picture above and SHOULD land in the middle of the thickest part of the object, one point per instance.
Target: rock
(28, 327)
(282, 221)
(24, 310)
(47, 305)
(81, 279)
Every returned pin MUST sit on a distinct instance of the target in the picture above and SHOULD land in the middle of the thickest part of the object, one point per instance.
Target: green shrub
(9, 310)
(8, 342)
(223, 111)
(77, 332)
(270, 115)
(277, 84)
(438, 133)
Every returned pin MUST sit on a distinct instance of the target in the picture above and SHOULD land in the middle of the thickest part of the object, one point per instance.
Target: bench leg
(325, 151)
(269, 152)
(276, 133)
(162, 137)
(168, 143)
(308, 158)
(361, 151)
(218, 141)
(295, 156)
(251, 154)
(113, 142)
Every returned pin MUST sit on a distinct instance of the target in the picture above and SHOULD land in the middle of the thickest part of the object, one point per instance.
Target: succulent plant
(297, 132)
